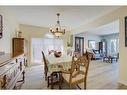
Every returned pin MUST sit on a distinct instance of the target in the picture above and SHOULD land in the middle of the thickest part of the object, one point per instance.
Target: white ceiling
(106, 29)
(71, 16)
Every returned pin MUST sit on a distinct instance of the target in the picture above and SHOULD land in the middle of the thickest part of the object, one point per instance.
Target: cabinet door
(18, 46)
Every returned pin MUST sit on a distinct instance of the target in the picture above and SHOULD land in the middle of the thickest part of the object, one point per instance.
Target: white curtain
(45, 45)
(114, 46)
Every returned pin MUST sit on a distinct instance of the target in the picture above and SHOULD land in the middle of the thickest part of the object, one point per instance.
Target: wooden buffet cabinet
(18, 46)
(11, 69)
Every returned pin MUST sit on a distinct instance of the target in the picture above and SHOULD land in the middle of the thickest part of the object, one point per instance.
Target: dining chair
(53, 77)
(78, 72)
(45, 65)
(76, 54)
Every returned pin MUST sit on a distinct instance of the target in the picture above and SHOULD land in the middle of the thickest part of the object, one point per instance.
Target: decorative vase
(19, 34)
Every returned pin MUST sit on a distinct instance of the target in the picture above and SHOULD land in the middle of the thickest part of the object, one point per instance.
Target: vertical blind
(45, 45)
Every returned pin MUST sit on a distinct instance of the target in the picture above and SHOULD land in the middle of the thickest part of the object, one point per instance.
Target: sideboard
(12, 70)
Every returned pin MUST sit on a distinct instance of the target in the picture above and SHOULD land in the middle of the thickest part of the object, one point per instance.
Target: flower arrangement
(56, 53)
(69, 44)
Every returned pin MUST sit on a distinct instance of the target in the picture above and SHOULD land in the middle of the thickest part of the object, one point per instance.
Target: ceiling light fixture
(58, 30)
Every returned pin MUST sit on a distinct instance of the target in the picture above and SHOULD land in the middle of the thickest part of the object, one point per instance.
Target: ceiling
(71, 16)
(106, 29)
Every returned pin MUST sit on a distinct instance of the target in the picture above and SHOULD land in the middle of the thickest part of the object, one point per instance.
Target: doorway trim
(79, 43)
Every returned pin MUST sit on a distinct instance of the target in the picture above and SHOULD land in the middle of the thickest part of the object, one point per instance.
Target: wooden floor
(101, 76)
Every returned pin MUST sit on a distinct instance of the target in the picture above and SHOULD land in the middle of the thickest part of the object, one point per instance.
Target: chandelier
(58, 30)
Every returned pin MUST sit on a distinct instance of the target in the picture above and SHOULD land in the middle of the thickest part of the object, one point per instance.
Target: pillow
(96, 51)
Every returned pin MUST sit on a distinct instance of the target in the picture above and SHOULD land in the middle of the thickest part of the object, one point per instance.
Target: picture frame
(1, 26)
(126, 31)
(91, 44)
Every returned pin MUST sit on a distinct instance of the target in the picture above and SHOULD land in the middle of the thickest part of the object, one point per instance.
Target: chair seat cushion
(77, 78)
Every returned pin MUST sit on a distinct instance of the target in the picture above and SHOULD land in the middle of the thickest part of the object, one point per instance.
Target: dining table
(55, 63)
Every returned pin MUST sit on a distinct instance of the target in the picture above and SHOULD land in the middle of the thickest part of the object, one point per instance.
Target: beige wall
(30, 32)
(116, 14)
(10, 26)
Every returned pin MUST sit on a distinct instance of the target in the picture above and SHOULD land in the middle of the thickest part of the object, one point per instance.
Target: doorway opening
(79, 45)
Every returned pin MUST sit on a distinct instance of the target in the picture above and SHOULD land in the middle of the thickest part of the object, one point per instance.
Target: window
(45, 44)
(114, 46)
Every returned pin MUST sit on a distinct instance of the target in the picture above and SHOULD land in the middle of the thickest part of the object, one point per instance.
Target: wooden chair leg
(45, 76)
(48, 81)
(78, 86)
(52, 85)
(60, 79)
(70, 86)
(23, 77)
(84, 85)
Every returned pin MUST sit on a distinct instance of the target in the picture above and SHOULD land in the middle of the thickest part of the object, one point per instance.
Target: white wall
(96, 38)
(10, 26)
(87, 37)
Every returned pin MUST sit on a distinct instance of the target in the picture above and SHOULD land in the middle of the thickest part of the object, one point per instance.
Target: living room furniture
(96, 54)
(110, 59)
(78, 71)
(18, 46)
(11, 69)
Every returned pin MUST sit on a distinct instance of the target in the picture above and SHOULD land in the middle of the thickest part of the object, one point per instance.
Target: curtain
(45, 45)
(114, 46)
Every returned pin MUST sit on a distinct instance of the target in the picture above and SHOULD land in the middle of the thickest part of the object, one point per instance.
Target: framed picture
(91, 44)
(126, 31)
(1, 26)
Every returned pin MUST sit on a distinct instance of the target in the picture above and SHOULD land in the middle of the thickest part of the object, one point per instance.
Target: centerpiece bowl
(57, 54)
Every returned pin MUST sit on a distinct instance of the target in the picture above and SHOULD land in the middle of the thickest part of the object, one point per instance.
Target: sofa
(96, 54)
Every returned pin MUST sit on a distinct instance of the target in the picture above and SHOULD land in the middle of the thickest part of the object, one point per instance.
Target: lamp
(58, 30)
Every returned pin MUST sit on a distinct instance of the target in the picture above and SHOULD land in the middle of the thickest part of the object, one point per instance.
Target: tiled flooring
(101, 76)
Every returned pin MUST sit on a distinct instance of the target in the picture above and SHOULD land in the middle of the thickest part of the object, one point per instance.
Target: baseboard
(123, 82)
